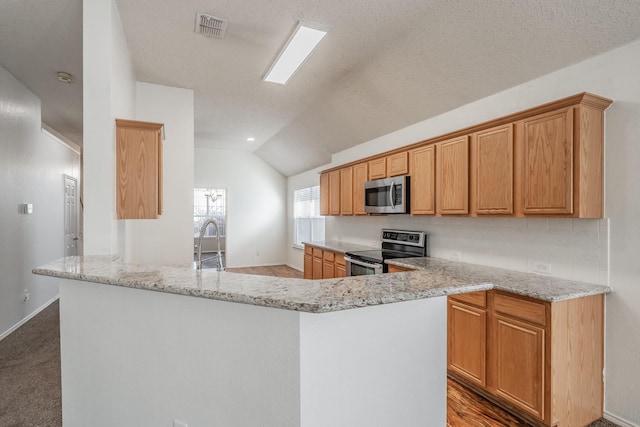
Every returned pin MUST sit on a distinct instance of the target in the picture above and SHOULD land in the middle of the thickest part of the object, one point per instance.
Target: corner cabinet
(138, 169)
(322, 263)
(541, 360)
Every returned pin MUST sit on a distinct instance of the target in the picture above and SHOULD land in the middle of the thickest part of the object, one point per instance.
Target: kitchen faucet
(203, 229)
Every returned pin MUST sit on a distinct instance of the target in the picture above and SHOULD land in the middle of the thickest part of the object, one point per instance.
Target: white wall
(168, 239)
(256, 202)
(108, 93)
(32, 165)
(587, 244)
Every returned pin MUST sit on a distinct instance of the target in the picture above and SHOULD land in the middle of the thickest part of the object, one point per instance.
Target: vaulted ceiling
(384, 65)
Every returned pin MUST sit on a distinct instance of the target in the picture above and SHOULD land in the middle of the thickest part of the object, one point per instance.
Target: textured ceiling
(384, 64)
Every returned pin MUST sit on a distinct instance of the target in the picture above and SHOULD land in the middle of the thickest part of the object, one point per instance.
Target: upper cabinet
(423, 180)
(360, 175)
(398, 164)
(452, 176)
(492, 171)
(324, 193)
(334, 193)
(378, 168)
(545, 161)
(138, 169)
(346, 191)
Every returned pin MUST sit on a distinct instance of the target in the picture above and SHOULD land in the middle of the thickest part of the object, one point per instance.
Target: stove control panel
(412, 238)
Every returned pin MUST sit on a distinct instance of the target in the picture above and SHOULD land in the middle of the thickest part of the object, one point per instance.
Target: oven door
(357, 267)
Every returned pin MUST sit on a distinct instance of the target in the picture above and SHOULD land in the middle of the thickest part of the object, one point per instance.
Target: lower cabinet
(397, 269)
(541, 359)
(322, 263)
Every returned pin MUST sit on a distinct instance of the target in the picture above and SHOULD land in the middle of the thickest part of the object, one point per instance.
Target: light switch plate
(25, 208)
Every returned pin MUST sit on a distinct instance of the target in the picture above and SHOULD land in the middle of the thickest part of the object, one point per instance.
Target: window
(308, 224)
(209, 203)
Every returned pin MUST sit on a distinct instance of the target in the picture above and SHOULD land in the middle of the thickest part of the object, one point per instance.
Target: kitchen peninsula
(223, 349)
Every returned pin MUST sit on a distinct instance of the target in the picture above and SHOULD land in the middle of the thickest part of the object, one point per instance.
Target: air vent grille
(210, 26)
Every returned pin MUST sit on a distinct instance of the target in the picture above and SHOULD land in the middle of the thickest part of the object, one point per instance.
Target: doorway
(70, 216)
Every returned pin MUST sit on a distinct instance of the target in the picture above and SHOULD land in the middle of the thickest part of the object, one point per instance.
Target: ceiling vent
(210, 26)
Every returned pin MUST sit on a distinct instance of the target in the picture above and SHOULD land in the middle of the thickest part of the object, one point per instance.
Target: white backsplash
(576, 249)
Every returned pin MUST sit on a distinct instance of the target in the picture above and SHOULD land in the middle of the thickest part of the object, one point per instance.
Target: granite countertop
(342, 247)
(314, 296)
(537, 286)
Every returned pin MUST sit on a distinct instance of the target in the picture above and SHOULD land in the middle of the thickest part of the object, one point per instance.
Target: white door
(70, 216)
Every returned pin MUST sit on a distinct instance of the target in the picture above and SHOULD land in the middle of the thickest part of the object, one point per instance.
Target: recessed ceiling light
(65, 77)
(304, 39)
(250, 139)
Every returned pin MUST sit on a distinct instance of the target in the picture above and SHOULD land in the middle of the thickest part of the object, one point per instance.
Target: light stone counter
(544, 288)
(341, 247)
(313, 296)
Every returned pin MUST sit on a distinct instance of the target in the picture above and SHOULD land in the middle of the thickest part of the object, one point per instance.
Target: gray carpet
(30, 373)
(30, 394)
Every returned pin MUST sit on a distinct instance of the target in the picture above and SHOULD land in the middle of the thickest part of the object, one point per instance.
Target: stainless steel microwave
(387, 196)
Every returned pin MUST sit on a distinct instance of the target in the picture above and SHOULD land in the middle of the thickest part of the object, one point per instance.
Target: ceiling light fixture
(250, 139)
(65, 77)
(302, 42)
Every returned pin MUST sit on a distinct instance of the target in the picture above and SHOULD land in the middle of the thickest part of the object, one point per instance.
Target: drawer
(329, 256)
(317, 252)
(474, 298)
(518, 308)
(308, 250)
(340, 259)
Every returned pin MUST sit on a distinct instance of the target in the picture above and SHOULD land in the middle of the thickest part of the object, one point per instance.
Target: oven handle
(376, 267)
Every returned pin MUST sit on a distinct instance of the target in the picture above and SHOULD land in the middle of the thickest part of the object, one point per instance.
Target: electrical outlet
(542, 267)
(454, 255)
(26, 295)
(177, 423)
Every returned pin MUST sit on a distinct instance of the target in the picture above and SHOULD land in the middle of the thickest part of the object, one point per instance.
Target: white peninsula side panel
(137, 357)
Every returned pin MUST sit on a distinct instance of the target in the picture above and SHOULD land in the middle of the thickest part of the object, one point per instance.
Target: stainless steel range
(395, 244)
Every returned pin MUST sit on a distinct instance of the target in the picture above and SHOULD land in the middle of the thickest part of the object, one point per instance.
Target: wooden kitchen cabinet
(324, 194)
(340, 265)
(467, 336)
(547, 163)
(328, 264)
(542, 360)
(378, 168)
(346, 191)
(398, 164)
(308, 262)
(492, 171)
(452, 176)
(322, 263)
(397, 269)
(423, 180)
(360, 176)
(317, 267)
(138, 169)
(334, 192)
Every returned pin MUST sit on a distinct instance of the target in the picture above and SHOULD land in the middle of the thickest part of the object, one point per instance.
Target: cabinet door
(492, 171)
(346, 191)
(324, 194)
(397, 164)
(334, 193)
(317, 268)
(138, 169)
(328, 270)
(467, 338)
(359, 178)
(452, 176)
(423, 180)
(397, 269)
(518, 363)
(378, 168)
(547, 163)
(308, 266)
(341, 270)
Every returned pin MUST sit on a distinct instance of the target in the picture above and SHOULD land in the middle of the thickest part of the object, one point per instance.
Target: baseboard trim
(620, 421)
(295, 268)
(29, 317)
